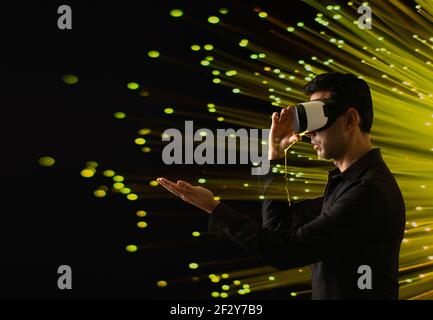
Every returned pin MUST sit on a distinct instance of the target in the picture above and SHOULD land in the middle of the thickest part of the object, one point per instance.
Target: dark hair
(346, 90)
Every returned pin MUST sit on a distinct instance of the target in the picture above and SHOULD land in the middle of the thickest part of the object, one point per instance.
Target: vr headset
(315, 115)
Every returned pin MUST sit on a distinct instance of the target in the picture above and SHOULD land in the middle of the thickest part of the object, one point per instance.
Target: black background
(49, 216)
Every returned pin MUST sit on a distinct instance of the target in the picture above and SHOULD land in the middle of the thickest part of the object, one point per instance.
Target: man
(351, 236)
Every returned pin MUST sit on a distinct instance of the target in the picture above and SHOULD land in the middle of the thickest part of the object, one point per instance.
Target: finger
(184, 195)
(185, 186)
(295, 138)
(289, 112)
(173, 191)
(170, 186)
(274, 117)
(182, 187)
(283, 115)
(167, 182)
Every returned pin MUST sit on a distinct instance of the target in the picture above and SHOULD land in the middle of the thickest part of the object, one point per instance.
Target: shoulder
(380, 180)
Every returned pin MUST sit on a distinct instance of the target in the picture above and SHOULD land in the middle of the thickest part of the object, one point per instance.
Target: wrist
(213, 206)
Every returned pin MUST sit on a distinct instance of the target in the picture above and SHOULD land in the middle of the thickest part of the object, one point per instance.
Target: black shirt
(359, 221)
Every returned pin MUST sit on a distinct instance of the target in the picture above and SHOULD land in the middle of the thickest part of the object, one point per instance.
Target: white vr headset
(315, 115)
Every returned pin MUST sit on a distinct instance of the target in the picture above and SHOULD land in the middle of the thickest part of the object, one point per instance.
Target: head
(351, 127)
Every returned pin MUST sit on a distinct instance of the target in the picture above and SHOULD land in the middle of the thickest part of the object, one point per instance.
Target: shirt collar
(357, 168)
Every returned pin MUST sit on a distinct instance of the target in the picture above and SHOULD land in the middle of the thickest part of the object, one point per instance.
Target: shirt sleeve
(354, 221)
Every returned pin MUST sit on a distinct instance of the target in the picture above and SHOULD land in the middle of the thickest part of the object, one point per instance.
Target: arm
(351, 223)
(276, 213)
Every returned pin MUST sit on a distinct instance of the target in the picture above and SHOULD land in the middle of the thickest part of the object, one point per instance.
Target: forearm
(242, 229)
(275, 206)
(275, 248)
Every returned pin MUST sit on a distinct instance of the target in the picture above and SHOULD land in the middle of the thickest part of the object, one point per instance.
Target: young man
(351, 235)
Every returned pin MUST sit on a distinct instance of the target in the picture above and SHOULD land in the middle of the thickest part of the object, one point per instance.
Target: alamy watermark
(64, 22)
(365, 280)
(65, 279)
(181, 149)
(364, 21)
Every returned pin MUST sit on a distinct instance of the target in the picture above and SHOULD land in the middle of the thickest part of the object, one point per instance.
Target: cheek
(327, 141)
(336, 133)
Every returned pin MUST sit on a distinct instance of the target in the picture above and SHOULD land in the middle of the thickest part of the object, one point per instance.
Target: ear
(352, 118)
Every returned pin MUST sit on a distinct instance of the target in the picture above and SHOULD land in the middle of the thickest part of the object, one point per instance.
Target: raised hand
(281, 134)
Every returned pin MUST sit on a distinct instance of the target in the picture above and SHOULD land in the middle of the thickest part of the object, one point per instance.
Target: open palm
(196, 195)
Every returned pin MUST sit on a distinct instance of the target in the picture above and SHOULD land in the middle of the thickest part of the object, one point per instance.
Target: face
(329, 143)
